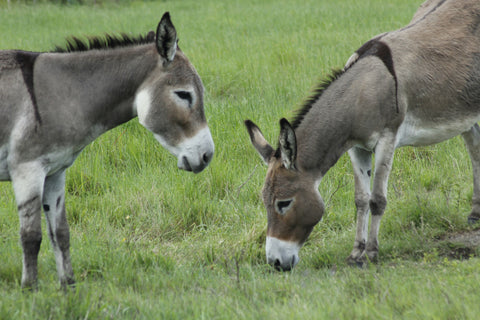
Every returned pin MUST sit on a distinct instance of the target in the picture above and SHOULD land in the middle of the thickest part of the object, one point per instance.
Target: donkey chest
(51, 161)
(54, 150)
(417, 132)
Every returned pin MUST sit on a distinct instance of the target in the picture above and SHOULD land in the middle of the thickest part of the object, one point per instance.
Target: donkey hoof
(359, 262)
(28, 288)
(351, 261)
(473, 219)
(372, 256)
(67, 285)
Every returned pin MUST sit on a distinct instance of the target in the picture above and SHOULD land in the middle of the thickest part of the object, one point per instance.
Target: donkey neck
(320, 148)
(324, 133)
(99, 85)
(352, 110)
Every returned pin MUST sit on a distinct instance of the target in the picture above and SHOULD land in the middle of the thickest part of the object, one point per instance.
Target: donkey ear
(263, 148)
(166, 40)
(288, 144)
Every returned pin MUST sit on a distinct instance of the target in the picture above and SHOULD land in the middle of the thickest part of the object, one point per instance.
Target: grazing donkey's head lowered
(415, 86)
(53, 104)
(290, 195)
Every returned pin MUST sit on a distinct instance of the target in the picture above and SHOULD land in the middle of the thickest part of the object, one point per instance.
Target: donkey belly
(59, 160)
(415, 132)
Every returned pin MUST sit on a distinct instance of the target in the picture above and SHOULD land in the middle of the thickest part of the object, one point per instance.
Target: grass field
(152, 242)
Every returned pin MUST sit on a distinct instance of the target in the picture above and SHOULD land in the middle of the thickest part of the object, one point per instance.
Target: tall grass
(150, 241)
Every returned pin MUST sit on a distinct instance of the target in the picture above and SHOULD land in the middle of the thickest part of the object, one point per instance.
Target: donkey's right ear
(263, 148)
(166, 40)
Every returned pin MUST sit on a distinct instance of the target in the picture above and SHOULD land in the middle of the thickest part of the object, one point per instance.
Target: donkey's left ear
(166, 40)
(288, 144)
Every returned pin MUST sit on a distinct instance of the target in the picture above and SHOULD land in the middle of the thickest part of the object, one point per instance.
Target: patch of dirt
(463, 245)
(468, 238)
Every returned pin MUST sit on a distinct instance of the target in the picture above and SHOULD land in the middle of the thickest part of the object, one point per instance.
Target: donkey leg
(27, 181)
(58, 231)
(378, 201)
(362, 169)
(472, 141)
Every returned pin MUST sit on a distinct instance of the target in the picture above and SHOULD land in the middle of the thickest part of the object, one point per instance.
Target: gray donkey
(53, 104)
(416, 86)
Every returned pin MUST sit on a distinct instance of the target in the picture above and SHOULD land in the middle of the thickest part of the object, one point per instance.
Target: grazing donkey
(53, 104)
(416, 86)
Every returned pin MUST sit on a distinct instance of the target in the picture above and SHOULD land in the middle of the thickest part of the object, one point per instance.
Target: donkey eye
(185, 95)
(282, 206)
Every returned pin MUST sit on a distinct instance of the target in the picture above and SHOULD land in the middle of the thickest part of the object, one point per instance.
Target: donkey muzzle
(195, 153)
(197, 166)
(281, 254)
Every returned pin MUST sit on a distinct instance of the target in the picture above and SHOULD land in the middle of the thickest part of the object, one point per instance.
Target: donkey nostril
(207, 156)
(276, 265)
(186, 164)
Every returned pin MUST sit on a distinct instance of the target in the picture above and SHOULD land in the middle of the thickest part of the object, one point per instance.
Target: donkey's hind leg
(27, 182)
(58, 231)
(362, 169)
(472, 141)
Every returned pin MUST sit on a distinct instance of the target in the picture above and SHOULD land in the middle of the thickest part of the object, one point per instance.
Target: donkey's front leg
(362, 169)
(378, 201)
(27, 181)
(58, 231)
(472, 141)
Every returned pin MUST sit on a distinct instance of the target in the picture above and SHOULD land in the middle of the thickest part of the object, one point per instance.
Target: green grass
(150, 241)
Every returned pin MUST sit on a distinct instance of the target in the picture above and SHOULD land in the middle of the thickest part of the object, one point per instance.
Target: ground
(464, 244)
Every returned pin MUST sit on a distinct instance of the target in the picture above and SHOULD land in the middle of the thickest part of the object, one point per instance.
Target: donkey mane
(317, 92)
(108, 41)
(373, 47)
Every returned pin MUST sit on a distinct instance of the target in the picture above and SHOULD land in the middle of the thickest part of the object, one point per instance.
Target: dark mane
(105, 42)
(317, 93)
(373, 47)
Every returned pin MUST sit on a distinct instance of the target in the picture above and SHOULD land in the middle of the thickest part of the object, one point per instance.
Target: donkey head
(170, 103)
(291, 197)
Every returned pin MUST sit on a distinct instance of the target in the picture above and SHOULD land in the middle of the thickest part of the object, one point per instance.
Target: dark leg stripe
(52, 236)
(27, 203)
(58, 202)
